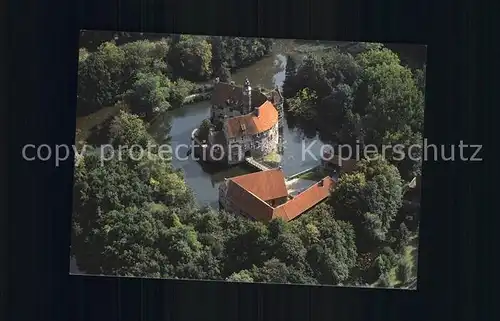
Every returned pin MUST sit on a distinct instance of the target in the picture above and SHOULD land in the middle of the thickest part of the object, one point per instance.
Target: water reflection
(204, 179)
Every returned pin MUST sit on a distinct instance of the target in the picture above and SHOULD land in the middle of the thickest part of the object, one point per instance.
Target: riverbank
(86, 125)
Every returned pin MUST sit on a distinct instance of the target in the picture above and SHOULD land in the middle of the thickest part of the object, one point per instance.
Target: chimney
(320, 183)
(257, 111)
(280, 167)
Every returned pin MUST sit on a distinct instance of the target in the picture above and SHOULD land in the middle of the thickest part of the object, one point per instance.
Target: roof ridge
(249, 192)
(307, 189)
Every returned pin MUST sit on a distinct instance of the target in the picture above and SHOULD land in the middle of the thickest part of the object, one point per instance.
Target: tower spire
(247, 93)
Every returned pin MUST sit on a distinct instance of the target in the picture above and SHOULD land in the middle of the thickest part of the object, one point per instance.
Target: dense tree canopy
(154, 76)
(370, 197)
(136, 216)
(369, 98)
(191, 57)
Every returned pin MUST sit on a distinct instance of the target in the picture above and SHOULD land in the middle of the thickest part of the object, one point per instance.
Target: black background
(457, 203)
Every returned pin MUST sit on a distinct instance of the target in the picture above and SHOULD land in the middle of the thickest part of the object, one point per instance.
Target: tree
(274, 271)
(191, 58)
(419, 75)
(301, 104)
(150, 94)
(312, 75)
(368, 97)
(99, 76)
(127, 130)
(179, 90)
(83, 54)
(106, 75)
(370, 198)
(124, 209)
(236, 52)
(241, 276)
(341, 68)
(384, 264)
(331, 248)
(290, 83)
(403, 236)
(287, 247)
(387, 96)
(145, 57)
(223, 73)
(248, 247)
(404, 272)
(204, 130)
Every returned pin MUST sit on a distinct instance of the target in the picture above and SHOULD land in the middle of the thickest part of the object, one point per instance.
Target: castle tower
(247, 97)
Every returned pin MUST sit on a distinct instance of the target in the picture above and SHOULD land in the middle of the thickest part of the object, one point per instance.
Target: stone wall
(268, 141)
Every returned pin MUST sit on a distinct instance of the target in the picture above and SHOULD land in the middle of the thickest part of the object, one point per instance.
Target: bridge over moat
(252, 162)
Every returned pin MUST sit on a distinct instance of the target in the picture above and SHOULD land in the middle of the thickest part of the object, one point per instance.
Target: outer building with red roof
(246, 121)
(263, 196)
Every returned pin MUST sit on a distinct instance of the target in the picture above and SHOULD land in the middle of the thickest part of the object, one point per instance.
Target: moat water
(204, 179)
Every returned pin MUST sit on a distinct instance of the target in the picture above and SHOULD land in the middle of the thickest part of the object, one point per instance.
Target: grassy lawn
(272, 158)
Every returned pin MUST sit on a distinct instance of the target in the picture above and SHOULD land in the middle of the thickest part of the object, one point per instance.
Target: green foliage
(386, 261)
(241, 276)
(404, 272)
(370, 97)
(370, 198)
(273, 271)
(330, 244)
(138, 217)
(126, 198)
(235, 52)
(99, 76)
(204, 130)
(181, 89)
(191, 58)
(153, 75)
(127, 130)
(300, 104)
(385, 280)
(403, 236)
(149, 94)
(82, 54)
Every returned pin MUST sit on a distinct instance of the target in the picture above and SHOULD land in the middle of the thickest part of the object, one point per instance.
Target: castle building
(263, 196)
(246, 121)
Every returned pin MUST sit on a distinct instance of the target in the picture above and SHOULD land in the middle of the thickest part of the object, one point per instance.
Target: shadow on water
(205, 178)
(176, 126)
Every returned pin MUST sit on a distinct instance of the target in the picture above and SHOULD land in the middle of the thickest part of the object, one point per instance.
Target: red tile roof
(305, 200)
(248, 202)
(245, 191)
(252, 124)
(266, 185)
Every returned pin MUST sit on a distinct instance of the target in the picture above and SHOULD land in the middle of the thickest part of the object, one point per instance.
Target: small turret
(247, 94)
